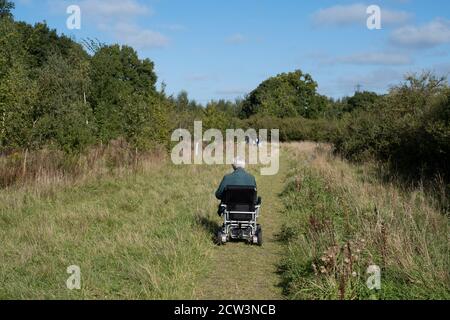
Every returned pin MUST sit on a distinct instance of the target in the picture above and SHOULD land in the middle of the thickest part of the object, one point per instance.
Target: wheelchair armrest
(222, 209)
(257, 210)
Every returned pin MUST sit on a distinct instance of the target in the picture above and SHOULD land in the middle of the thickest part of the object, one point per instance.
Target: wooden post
(136, 159)
(24, 167)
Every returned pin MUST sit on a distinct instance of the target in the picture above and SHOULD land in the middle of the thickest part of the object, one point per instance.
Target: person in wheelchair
(239, 206)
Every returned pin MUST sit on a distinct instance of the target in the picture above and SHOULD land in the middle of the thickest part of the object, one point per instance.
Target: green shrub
(409, 129)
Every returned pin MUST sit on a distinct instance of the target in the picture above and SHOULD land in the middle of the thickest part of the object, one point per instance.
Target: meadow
(145, 231)
(134, 232)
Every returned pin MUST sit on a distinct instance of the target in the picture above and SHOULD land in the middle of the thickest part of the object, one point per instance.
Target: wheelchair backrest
(240, 198)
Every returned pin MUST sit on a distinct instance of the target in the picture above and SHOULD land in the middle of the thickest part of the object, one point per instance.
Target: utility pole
(358, 88)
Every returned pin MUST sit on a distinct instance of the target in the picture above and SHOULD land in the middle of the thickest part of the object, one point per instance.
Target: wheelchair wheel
(259, 235)
(221, 239)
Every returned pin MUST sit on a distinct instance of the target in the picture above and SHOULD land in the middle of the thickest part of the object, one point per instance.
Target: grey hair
(238, 163)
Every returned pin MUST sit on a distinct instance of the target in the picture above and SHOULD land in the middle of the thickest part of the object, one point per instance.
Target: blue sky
(223, 49)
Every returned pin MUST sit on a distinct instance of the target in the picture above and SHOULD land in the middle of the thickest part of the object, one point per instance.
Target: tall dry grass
(341, 219)
(45, 168)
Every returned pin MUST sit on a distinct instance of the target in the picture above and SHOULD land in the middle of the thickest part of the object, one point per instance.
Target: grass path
(240, 271)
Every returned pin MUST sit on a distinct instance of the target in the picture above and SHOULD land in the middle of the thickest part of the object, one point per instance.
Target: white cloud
(113, 9)
(429, 35)
(236, 39)
(375, 58)
(174, 27)
(379, 80)
(139, 38)
(118, 18)
(344, 15)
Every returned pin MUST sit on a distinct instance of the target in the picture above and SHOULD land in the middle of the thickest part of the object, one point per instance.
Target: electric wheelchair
(240, 208)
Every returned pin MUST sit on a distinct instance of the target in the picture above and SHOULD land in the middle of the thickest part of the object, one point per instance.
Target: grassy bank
(339, 220)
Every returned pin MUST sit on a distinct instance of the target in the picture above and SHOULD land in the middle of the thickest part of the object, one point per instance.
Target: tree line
(57, 93)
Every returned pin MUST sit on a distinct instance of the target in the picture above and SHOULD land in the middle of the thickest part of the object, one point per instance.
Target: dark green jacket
(238, 178)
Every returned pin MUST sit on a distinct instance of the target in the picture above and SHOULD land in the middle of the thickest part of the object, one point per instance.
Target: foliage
(286, 95)
(409, 128)
(120, 82)
(5, 8)
(53, 93)
(361, 100)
